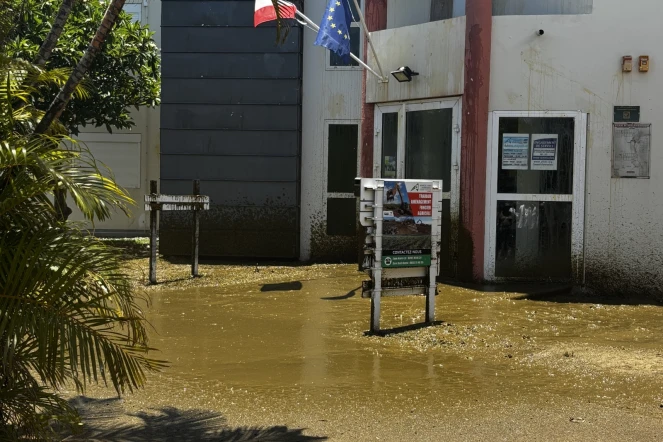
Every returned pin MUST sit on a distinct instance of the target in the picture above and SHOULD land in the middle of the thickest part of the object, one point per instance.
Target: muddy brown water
(290, 358)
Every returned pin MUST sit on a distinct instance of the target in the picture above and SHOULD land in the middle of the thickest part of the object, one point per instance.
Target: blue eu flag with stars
(334, 31)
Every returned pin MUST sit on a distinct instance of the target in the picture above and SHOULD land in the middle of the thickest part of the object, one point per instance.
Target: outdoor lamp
(404, 74)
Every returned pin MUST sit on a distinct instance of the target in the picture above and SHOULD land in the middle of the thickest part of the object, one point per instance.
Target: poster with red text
(407, 224)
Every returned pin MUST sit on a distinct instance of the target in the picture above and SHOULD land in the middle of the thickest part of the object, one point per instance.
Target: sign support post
(196, 232)
(377, 262)
(155, 202)
(153, 236)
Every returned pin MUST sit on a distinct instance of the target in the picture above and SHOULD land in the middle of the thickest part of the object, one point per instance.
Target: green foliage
(68, 313)
(125, 74)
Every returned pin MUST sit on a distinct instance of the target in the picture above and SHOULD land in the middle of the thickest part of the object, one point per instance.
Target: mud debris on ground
(282, 351)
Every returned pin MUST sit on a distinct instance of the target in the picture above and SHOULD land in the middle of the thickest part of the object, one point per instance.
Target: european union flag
(334, 31)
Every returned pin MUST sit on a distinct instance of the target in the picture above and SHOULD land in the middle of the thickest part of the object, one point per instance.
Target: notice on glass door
(544, 151)
(515, 152)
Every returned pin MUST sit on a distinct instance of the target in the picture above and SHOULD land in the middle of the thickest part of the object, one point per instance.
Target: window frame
(577, 198)
(325, 165)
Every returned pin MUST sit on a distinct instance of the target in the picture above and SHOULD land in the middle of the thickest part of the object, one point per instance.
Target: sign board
(515, 151)
(544, 151)
(631, 150)
(402, 243)
(407, 224)
(627, 114)
(177, 202)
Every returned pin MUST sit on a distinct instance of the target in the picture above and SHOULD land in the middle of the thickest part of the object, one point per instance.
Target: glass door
(535, 214)
(422, 141)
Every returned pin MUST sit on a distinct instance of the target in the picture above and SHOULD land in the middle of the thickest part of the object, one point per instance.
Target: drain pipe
(375, 13)
(474, 139)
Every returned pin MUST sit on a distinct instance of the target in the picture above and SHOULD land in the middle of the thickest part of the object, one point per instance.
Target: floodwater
(290, 360)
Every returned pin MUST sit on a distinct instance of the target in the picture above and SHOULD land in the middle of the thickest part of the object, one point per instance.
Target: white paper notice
(544, 151)
(631, 150)
(515, 151)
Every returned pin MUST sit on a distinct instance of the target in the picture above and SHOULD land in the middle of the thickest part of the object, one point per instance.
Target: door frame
(577, 198)
(453, 103)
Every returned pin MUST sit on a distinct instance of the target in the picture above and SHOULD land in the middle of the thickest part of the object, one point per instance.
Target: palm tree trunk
(52, 39)
(60, 102)
(62, 99)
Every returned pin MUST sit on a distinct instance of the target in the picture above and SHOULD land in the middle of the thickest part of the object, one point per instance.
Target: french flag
(265, 11)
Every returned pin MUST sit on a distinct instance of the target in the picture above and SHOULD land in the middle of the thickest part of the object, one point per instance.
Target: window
(441, 9)
(135, 10)
(342, 157)
(355, 41)
(341, 217)
(530, 7)
(355, 46)
(342, 148)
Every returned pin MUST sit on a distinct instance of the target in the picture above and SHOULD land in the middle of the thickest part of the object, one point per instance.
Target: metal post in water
(153, 236)
(376, 294)
(196, 231)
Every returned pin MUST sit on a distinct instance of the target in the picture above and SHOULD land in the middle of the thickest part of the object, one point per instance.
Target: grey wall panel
(234, 168)
(229, 117)
(230, 142)
(209, 13)
(269, 65)
(227, 243)
(230, 91)
(217, 39)
(238, 193)
(241, 218)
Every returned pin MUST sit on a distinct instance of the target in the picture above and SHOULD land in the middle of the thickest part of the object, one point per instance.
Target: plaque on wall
(631, 150)
(627, 114)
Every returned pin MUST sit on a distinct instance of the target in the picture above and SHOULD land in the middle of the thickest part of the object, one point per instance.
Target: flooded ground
(280, 353)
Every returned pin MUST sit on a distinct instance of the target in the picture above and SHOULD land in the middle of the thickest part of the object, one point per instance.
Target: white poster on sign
(515, 151)
(544, 151)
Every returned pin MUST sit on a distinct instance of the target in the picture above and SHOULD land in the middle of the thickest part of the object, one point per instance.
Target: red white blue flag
(265, 11)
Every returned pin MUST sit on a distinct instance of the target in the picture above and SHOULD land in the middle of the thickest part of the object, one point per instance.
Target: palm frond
(67, 310)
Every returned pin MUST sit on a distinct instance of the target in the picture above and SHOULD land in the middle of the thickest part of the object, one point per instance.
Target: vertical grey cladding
(231, 117)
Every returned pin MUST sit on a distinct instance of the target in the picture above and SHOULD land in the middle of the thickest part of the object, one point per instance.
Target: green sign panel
(406, 261)
(627, 114)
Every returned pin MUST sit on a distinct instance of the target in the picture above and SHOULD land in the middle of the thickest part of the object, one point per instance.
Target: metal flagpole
(370, 41)
(316, 28)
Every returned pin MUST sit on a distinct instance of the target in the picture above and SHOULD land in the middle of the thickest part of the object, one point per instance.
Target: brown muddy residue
(287, 351)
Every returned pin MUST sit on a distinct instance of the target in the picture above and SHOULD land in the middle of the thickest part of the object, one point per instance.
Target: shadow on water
(282, 287)
(106, 420)
(348, 295)
(403, 329)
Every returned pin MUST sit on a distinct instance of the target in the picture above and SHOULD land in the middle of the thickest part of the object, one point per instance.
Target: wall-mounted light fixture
(404, 74)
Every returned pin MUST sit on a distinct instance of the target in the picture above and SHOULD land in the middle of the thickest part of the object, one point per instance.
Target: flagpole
(370, 42)
(316, 28)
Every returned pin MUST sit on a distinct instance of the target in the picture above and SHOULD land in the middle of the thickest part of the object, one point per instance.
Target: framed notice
(631, 150)
(515, 152)
(544, 151)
